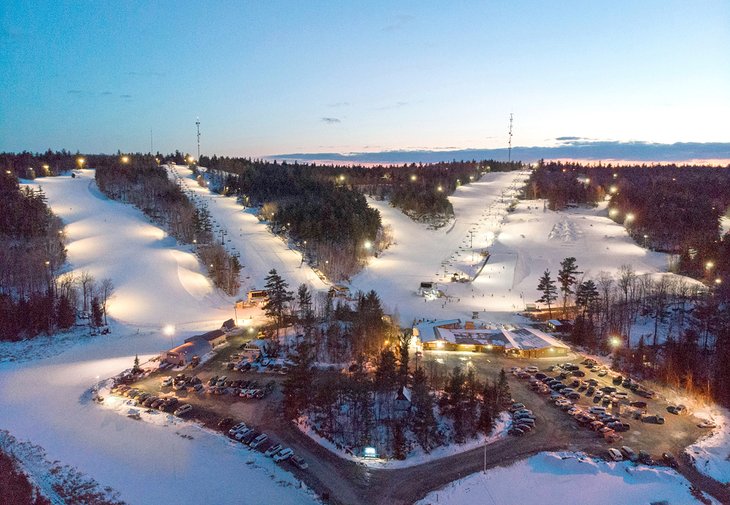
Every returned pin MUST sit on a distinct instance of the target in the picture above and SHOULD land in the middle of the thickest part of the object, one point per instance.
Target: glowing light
(439, 344)
(80, 161)
(368, 245)
(370, 452)
(413, 178)
(168, 330)
(718, 281)
(615, 341)
(440, 188)
(45, 165)
(710, 265)
(629, 217)
(125, 159)
(613, 189)
(613, 212)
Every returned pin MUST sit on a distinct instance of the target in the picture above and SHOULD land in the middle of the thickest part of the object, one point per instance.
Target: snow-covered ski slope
(47, 401)
(523, 244)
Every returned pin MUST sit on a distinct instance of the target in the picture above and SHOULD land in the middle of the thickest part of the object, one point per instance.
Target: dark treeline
(31, 254)
(668, 208)
(15, 486)
(140, 181)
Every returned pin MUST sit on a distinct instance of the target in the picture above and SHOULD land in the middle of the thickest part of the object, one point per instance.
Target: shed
(228, 325)
(214, 338)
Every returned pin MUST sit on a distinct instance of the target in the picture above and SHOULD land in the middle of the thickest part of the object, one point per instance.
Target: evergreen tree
(504, 396)
(297, 383)
(404, 343)
(423, 421)
(400, 449)
(278, 298)
(306, 311)
(488, 411)
(97, 314)
(385, 373)
(65, 314)
(135, 367)
(546, 286)
(567, 279)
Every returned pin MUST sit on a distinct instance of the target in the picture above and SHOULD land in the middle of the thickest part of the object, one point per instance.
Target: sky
(272, 77)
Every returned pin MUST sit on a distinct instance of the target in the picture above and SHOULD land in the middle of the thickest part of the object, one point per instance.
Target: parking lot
(677, 432)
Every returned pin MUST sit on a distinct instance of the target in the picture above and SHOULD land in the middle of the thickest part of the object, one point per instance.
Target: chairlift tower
(509, 149)
(197, 124)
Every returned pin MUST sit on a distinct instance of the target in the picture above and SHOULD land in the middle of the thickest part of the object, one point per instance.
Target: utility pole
(197, 124)
(509, 150)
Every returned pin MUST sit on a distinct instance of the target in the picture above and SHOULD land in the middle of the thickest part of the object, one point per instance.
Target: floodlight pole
(197, 124)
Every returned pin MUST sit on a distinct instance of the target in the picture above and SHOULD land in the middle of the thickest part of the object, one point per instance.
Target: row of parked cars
(164, 403)
(253, 439)
(628, 454)
(523, 420)
(239, 387)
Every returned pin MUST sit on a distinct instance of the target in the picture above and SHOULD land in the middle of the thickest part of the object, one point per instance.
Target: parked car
(707, 424)
(283, 455)
(516, 432)
(645, 458)
(655, 419)
(258, 440)
(629, 453)
(183, 409)
(597, 410)
(615, 454)
(524, 427)
(299, 462)
(167, 382)
(669, 459)
(619, 426)
(273, 450)
(516, 406)
(590, 391)
(677, 409)
(531, 369)
(638, 405)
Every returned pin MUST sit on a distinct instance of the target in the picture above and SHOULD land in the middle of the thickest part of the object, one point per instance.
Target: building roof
(428, 330)
(530, 338)
(555, 322)
(229, 324)
(194, 346)
(211, 335)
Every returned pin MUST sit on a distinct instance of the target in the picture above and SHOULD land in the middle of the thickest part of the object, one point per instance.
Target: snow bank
(560, 478)
(711, 454)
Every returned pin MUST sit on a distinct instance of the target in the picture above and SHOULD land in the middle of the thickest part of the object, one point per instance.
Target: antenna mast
(509, 150)
(197, 124)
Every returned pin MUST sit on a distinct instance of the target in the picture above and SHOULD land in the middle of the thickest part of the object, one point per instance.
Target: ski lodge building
(452, 335)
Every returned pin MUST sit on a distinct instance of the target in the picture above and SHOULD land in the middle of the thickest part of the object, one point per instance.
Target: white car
(284, 455)
(531, 369)
(167, 382)
(258, 440)
(615, 454)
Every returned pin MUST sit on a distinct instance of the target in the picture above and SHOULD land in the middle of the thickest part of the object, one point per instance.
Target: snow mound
(565, 231)
(711, 454)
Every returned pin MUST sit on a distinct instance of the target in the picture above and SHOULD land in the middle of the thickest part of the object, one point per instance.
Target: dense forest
(668, 208)
(15, 486)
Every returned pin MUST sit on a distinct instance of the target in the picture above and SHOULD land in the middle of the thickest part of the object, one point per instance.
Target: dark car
(540, 375)
(638, 405)
(517, 432)
(645, 458)
(590, 391)
(608, 389)
(618, 380)
(669, 459)
(579, 373)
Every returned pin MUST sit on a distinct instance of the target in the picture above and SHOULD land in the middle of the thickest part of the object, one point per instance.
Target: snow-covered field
(47, 401)
(559, 478)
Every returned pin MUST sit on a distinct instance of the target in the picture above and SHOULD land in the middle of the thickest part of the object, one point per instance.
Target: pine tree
(385, 373)
(504, 396)
(487, 412)
(97, 314)
(296, 385)
(567, 278)
(400, 450)
(546, 285)
(423, 421)
(278, 298)
(135, 367)
(65, 316)
(404, 343)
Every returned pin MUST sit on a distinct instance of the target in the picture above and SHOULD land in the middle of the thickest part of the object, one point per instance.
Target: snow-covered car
(258, 440)
(707, 424)
(283, 455)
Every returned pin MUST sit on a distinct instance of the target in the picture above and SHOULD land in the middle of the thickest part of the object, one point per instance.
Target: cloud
(330, 120)
(398, 23)
(590, 150)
